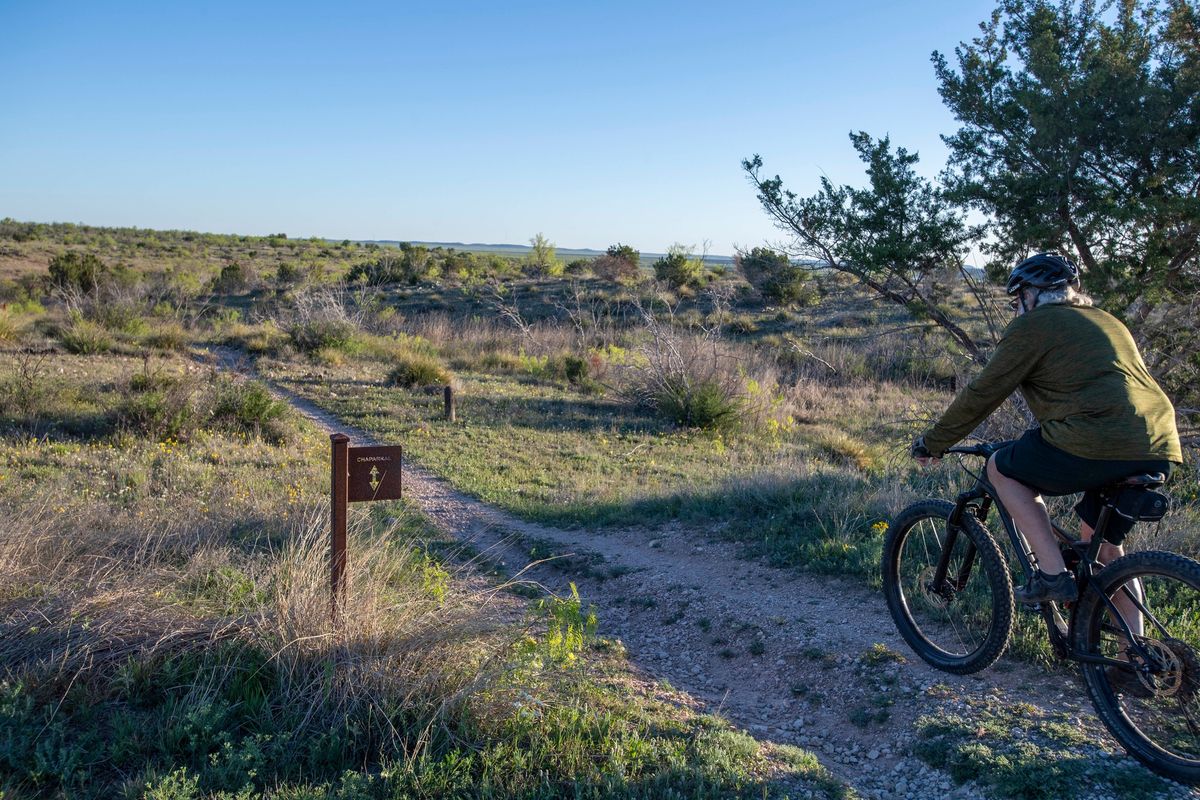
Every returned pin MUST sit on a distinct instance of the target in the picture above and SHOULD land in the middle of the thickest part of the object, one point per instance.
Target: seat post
(1097, 540)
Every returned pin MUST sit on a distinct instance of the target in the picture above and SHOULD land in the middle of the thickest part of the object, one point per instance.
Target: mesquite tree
(895, 236)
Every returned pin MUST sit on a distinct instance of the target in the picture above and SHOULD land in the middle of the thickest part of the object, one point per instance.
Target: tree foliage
(895, 236)
(76, 270)
(415, 263)
(774, 274)
(542, 258)
(619, 262)
(680, 268)
(1080, 130)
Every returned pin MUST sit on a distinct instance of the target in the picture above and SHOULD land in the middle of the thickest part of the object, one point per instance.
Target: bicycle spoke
(960, 622)
(1167, 713)
(951, 623)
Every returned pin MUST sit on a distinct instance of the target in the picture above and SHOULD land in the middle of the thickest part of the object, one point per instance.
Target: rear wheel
(962, 623)
(1152, 707)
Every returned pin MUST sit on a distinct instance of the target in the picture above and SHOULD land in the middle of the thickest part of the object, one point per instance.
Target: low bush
(232, 279)
(247, 406)
(415, 369)
(26, 391)
(777, 278)
(322, 319)
(167, 336)
(573, 368)
(118, 312)
(75, 270)
(288, 274)
(84, 337)
(679, 269)
(318, 334)
(10, 331)
(692, 378)
(701, 404)
(619, 263)
(389, 348)
(264, 338)
(159, 407)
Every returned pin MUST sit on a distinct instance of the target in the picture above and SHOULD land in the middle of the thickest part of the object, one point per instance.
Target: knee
(992, 472)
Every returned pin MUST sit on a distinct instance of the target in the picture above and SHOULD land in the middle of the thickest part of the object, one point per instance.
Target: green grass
(1019, 752)
(164, 633)
(215, 722)
(551, 453)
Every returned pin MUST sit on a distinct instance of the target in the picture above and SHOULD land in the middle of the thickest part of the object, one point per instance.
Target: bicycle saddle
(1149, 480)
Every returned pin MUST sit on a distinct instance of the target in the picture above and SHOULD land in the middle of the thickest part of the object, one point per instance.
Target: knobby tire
(966, 631)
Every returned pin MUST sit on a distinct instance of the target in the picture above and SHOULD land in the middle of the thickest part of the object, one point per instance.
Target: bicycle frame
(978, 501)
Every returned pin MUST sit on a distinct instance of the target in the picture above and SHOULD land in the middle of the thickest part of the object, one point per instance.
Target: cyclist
(1102, 417)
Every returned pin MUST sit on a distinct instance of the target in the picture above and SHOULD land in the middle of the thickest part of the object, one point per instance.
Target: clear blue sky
(476, 122)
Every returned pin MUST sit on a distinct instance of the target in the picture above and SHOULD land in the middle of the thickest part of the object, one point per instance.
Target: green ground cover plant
(1020, 752)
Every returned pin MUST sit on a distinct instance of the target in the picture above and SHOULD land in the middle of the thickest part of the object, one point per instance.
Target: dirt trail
(776, 652)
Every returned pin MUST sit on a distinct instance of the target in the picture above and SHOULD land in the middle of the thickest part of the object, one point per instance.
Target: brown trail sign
(357, 475)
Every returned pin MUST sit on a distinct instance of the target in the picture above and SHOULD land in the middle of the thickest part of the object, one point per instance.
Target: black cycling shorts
(1055, 472)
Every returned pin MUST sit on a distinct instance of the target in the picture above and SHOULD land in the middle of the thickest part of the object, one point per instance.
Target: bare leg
(1109, 553)
(1028, 510)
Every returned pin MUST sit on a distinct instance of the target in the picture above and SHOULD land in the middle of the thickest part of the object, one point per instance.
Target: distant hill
(566, 253)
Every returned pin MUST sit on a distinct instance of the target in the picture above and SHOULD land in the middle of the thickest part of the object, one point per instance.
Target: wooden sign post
(357, 475)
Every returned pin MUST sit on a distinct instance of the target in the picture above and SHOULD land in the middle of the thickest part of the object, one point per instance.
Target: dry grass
(91, 584)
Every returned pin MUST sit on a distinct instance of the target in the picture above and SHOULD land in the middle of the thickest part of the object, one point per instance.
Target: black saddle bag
(1140, 504)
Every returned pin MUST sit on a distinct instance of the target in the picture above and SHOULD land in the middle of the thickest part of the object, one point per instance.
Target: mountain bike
(1134, 630)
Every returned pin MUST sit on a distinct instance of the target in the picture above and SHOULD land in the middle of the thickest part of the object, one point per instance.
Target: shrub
(233, 278)
(9, 330)
(158, 406)
(542, 259)
(321, 334)
(415, 369)
(74, 270)
(580, 267)
(778, 279)
(288, 273)
(678, 268)
(742, 323)
(167, 336)
(261, 339)
(247, 406)
(324, 319)
(388, 348)
(25, 391)
(416, 263)
(574, 368)
(704, 404)
(84, 337)
(117, 312)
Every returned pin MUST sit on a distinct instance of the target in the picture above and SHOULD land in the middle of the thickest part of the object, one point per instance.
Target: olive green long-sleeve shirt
(1084, 380)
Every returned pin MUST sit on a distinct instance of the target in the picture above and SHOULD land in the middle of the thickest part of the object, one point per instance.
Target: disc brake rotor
(932, 596)
(1177, 669)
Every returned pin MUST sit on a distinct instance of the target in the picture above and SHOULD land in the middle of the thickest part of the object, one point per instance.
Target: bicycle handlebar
(983, 450)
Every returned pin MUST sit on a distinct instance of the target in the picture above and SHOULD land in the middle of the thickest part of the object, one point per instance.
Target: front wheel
(1150, 699)
(961, 622)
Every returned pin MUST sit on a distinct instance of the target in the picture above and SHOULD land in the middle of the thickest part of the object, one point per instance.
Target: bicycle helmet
(1043, 271)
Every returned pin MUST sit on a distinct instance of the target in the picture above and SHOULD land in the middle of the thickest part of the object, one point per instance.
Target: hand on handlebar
(921, 453)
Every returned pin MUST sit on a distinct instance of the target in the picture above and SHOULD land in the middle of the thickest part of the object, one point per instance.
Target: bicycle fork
(939, 584)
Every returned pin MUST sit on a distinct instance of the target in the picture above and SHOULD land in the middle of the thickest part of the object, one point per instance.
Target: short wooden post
(448, 393)
(339, 476)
